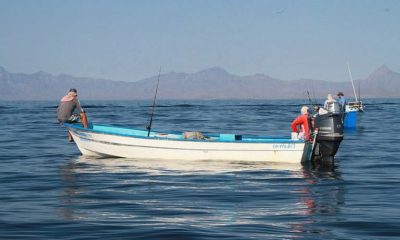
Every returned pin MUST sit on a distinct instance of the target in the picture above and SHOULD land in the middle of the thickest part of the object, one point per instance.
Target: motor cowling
(330, 131)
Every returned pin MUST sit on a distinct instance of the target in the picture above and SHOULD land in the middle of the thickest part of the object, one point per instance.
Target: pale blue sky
(129, 40)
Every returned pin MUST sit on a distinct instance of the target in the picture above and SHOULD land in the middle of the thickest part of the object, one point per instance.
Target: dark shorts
(73, 119)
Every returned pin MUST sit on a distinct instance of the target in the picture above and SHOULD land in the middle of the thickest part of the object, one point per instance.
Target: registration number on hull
(283, 146)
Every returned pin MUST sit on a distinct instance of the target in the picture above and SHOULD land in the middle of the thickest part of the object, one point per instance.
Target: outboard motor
(330, 132)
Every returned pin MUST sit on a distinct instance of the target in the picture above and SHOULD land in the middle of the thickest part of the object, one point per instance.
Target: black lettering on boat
(284, 146)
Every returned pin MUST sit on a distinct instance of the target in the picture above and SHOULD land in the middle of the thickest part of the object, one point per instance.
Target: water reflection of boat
(154, 166)
(142, 193)
(323, 197)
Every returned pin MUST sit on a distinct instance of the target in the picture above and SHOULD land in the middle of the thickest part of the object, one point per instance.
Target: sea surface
(49, 191)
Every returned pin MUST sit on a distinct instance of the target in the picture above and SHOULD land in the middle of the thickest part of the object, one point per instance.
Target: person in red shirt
(300, 124)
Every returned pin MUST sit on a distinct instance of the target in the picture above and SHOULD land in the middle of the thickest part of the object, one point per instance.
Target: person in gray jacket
(67, 106)
(65, 110)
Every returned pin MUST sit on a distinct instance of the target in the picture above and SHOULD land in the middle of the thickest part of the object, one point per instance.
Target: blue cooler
(230, 137)
(350, 120)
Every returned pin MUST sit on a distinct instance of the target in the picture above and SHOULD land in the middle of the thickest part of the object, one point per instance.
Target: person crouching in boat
(66, 108)
(329, 100)
(300, 124)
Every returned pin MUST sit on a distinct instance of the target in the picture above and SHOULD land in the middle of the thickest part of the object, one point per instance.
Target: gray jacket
(66, 109)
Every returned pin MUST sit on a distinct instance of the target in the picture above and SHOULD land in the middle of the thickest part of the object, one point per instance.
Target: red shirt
(301, 121)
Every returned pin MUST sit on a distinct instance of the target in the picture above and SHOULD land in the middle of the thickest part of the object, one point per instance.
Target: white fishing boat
(352, 108)
(105, 141)
(101, 140)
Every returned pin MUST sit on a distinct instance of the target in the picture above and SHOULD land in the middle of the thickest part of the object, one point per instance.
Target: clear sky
(130, 39)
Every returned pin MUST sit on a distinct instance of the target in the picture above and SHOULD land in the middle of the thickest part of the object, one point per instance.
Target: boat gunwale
(255, 139)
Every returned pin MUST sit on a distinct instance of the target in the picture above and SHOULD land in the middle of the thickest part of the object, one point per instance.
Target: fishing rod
(352, 82)
(314, 106)
(360, 105)
(154, 105)
(313, 92)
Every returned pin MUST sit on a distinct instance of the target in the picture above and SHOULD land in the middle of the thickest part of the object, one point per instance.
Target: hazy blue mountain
(212, 83)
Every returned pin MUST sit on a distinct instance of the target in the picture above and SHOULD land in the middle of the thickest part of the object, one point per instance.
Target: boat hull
(350, 119)
(98, 143)
(353, 111)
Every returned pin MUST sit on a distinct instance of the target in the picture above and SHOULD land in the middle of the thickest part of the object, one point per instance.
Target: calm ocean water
(49, 191)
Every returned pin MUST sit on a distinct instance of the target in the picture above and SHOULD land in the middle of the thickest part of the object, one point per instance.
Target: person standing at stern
(342, 101)
(300, 124)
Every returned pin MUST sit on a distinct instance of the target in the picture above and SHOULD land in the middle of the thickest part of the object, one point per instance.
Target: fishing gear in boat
(84, 120)
(154, 105)
(315, 107)
(83, 116)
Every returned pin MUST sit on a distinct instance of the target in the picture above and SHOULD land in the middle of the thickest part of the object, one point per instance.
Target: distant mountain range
(212, 83)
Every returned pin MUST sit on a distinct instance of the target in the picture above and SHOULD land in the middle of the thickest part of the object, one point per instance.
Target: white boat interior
(226, 137)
